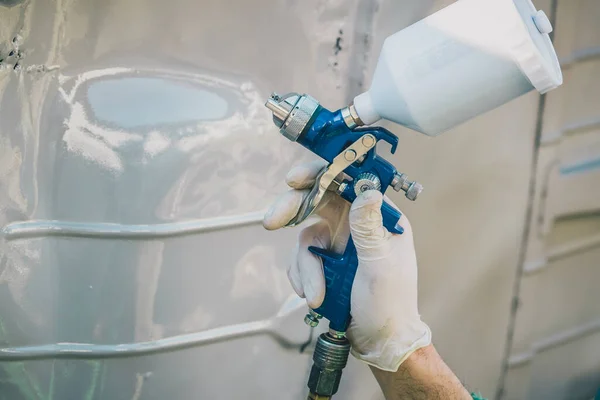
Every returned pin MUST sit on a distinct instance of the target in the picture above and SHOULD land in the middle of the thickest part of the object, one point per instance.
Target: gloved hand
(386, 327)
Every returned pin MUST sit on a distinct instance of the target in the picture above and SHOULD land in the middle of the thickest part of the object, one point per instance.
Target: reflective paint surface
(136, 160)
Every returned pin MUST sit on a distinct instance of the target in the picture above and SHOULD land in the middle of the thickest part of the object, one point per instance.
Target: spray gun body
(356, 167)
(353, 167)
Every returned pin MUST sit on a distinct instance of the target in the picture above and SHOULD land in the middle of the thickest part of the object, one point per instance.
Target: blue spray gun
(442, 71)
(354, 167)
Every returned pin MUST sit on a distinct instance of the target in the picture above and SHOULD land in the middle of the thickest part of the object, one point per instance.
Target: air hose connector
(329, 359)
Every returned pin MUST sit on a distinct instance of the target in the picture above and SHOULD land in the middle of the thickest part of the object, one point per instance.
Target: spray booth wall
(136, 160)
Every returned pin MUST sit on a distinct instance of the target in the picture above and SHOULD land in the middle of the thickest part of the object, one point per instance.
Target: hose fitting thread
(330, 352)
(329, 359)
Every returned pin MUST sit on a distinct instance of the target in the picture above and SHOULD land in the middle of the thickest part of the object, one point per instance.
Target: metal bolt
(342, 188)
(399, 181)
(368, 141)
(329, 359)
(350, 155)
(312, 319)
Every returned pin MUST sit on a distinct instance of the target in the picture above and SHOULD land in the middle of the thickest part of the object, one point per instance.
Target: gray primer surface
(136, 158)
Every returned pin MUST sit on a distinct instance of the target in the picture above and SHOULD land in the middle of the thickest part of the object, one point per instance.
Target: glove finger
(293, 273)
(284, 209)
(403, 221)
(303, 176)
(310, 266)
(366, 226)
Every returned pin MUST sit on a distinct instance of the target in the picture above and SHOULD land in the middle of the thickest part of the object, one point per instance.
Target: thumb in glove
(386, 327)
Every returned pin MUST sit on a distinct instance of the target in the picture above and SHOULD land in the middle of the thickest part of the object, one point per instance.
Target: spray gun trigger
(329, 177)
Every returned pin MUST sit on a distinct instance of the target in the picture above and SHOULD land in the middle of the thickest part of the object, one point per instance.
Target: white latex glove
(386, 327)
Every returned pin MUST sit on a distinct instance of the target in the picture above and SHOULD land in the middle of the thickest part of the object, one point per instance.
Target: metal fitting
(350, 116)
(342, 188)
(292, 112)
(355, 116)
(336, 334)
(411, 189)
(312, 319)
(330, 358)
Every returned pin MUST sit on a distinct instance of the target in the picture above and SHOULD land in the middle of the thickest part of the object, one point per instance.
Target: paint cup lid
(532, 47)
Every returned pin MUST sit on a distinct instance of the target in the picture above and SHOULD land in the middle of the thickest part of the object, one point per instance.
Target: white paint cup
(462, 61)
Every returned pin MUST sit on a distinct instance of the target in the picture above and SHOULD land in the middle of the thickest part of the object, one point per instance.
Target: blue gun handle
(340, 269)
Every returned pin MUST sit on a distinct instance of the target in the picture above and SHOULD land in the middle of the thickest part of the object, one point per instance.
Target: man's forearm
(424, 375)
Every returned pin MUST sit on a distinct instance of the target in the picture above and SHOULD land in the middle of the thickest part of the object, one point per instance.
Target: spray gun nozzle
(291, 113)
(279, 112)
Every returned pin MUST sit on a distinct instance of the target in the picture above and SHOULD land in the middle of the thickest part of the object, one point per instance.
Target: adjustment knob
(366, 181)
(411, 189)
(312, 319)
(414, 190)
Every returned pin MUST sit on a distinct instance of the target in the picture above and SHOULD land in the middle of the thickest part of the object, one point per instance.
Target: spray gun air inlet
(330, 358)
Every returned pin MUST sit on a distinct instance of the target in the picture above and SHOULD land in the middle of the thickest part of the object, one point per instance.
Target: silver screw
(368, 141)
(350, 155)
